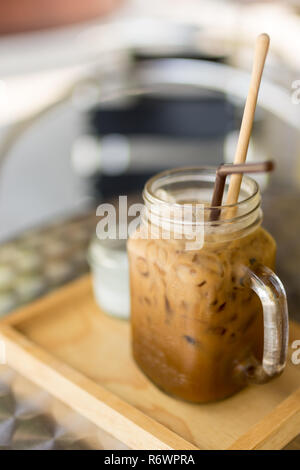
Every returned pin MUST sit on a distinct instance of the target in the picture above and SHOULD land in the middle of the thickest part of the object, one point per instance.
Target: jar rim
(150, 196)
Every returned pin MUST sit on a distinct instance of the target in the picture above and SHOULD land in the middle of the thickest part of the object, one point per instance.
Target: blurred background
(98, 95)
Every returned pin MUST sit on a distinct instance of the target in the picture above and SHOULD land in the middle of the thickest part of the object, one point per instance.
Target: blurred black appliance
(180, 126)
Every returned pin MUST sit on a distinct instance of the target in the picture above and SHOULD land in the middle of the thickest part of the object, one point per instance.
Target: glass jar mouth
(200, 178)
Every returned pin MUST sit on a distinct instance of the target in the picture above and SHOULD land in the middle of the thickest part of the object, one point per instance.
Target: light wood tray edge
(276, 429)
(101, 407)
(112, 414)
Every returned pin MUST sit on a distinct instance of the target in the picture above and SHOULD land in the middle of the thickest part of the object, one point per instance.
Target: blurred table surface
(32, 419)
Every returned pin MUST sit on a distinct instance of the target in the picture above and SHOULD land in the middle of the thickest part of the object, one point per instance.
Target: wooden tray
(82, 356)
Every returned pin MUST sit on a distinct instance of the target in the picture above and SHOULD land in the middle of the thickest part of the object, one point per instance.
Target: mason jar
(208, 314)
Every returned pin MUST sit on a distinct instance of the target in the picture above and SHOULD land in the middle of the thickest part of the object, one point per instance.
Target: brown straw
(223, 171)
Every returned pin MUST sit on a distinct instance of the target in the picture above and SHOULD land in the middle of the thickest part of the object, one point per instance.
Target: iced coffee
(197, 323)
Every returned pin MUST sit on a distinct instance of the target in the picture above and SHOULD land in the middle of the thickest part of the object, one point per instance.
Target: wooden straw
(223, 171)
(261, 50)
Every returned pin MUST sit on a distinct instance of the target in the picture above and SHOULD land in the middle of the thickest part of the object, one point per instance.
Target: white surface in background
(21, 96)
(36, 181)
(61, 55)
(237, 24)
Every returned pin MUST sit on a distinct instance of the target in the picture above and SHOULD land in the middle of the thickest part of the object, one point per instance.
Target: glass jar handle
(272, 295)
